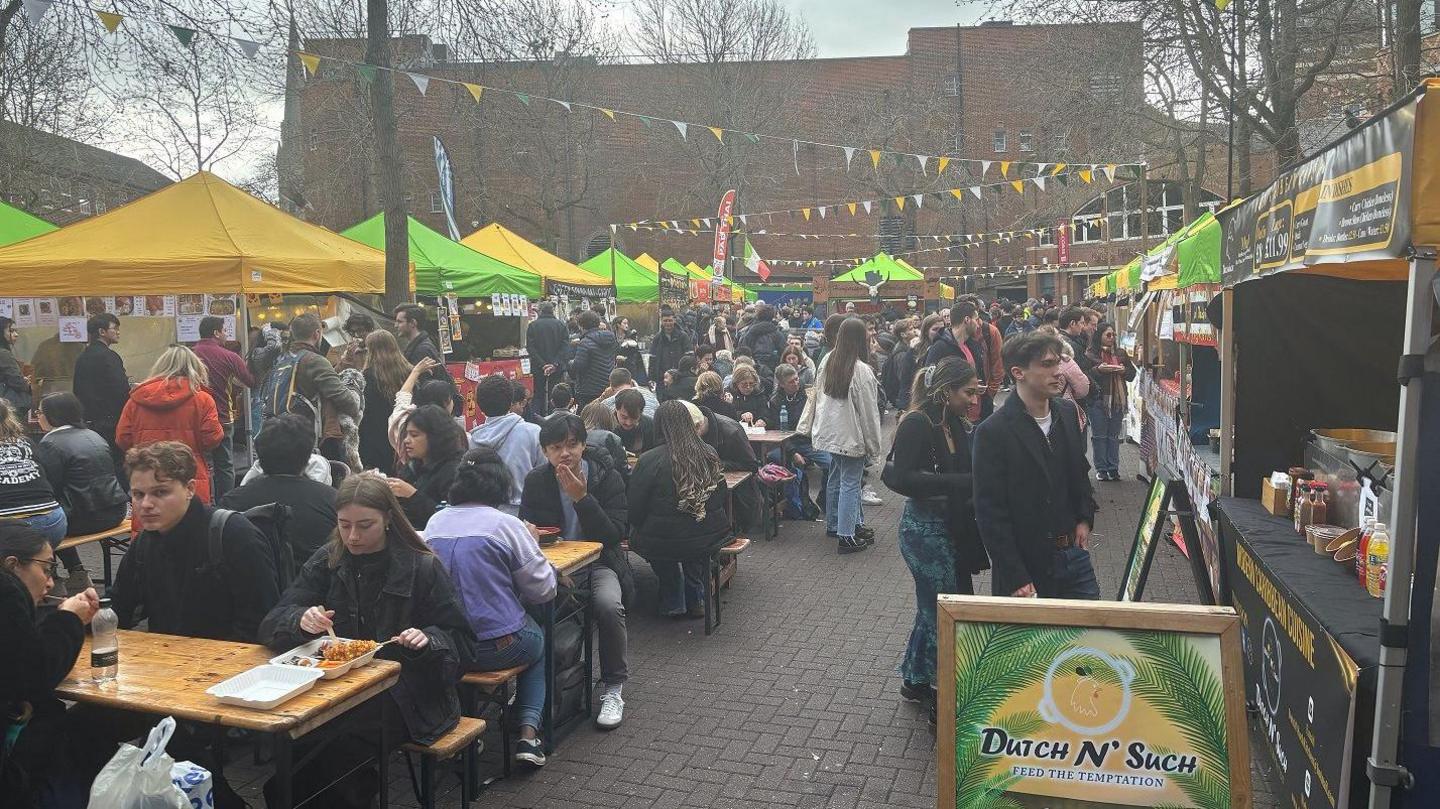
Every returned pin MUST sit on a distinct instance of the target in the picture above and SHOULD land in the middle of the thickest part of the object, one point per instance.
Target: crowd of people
(401, 525)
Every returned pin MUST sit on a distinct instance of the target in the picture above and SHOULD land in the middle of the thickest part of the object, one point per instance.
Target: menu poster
(24, 312)
(46, 312)
(1052, 702)
(95, 305)
(1142, 550)
(220, 305)
(125, 305)
(442, 329)
(7, 308)
(495, 304)
(72, 329)
(160, 305)
(187, 328)
(193, 304)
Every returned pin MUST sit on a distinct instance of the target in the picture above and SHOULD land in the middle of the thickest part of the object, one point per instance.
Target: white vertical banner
(447, 187)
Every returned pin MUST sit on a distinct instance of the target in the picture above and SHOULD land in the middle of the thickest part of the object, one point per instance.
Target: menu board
(1052, 702)
(1142, 550)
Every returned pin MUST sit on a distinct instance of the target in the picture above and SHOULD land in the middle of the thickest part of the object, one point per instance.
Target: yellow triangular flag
(310, 61)
(1018, 185)
(1222, 4)
(806, 211)
(1085, 176)
(940, 168)
(1057, 169)
(109, 20)
(955, 192)
(1004, 168)
(717, 132)
(875, 158)
(475, 91)
(609, 113)
(901, 202)
(695, 222)
(851, 206)
(730, 220)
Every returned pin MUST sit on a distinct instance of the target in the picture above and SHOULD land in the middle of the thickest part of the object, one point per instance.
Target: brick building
(993, 92)
(63, 180)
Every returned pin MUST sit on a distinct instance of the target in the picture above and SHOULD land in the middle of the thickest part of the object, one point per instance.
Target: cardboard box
(1276, 501)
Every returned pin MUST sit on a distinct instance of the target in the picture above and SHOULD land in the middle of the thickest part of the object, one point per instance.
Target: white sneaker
(612, 711)
(870, 498)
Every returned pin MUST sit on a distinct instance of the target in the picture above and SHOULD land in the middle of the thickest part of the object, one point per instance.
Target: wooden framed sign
(1060, 703)
(1147, 536)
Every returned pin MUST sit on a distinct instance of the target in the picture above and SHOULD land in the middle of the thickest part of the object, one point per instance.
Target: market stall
(160, 264)
(637, 289)
(570, 286)
(1328, 278)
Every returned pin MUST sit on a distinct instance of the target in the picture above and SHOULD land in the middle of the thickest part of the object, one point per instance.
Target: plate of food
(549, 535)
(334, 656)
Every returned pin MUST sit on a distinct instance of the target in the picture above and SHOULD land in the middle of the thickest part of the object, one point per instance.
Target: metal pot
(1334, 440)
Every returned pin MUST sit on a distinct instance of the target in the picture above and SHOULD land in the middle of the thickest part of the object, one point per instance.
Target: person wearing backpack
(302, 381)
(169, 576)
(283, 449)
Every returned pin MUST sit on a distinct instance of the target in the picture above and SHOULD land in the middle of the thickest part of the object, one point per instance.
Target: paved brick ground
(795, 700)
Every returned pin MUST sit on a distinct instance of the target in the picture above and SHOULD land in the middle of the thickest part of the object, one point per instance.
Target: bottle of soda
(104, 644)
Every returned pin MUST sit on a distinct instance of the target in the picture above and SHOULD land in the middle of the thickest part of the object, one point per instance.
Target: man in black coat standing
(100, 381)
(1033, 499)
(670, 344)
(545, 339)
(594, 359)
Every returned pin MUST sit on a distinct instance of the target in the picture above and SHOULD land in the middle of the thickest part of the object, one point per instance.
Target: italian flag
(754, 263)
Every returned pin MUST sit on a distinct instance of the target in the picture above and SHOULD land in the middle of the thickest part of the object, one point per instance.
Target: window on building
(598, 244)
(952, 85)
(1120, 210)
(314, 140)
(999, 141)
(437, 205)
(1047, 237)
(1027, 141)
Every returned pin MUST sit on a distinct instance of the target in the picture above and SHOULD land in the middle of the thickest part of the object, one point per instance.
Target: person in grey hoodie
(516, 440)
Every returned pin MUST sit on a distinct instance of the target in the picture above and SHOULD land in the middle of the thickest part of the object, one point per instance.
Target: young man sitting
(283, 448)
(168, 575)
(516, 440)
(785, 408)
(622, 380)
(634, 426)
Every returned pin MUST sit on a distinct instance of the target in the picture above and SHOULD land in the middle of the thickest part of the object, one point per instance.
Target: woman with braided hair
(677, 497)
(938, 537)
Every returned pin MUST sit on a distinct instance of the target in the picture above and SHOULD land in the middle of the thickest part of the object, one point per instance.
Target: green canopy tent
(633, 283)
(17, 225)
(1199, 253)
(889, 268)
(443, 267)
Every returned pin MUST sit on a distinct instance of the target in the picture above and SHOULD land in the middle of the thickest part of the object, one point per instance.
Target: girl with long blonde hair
(179, 362)
(386, 370)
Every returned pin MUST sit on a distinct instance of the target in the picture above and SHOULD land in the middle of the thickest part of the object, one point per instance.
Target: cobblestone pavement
(794, 701)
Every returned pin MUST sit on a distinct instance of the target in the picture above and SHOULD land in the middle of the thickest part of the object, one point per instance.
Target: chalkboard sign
(1053, 702)
(1147, 535)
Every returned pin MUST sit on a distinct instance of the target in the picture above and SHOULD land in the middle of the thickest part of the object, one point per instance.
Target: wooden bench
(117, 538)
(497, 688)
(717, 578)
(461, 740)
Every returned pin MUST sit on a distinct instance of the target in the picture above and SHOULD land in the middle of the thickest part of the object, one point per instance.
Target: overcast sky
(870, 28)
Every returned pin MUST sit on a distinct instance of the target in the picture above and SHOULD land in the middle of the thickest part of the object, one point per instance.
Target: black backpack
(271, 519)
(280, 392)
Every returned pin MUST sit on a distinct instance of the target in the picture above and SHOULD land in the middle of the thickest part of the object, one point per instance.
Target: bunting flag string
(35, 11)
(923, 160)
(708, 232)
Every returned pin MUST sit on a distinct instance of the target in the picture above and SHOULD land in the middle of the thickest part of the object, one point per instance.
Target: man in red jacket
(226, 369)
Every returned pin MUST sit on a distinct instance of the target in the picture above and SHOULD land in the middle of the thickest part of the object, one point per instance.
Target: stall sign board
(1147, 535)
(674, 288)
(1302, 683)
(1348, 203)
(1053, 702)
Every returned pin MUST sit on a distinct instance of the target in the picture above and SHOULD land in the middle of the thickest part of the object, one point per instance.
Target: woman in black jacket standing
(376, 579)
(677, 492)
(938, 536)
(434, 443)
(38, 656)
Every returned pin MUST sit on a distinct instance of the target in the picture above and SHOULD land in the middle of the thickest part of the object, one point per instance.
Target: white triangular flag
(682, 126)
(1110, 172)
(743, 221)
(822, 211)
(919, 200)
(247, 46)
(849, 153)
(422, 82)
(565, 104)
(1039, 182)
(706, 222)
(984, 168)
(35, 9)
(795, 150)
(921, 159)
(866, 203)
(1042, 168)
(975, 189)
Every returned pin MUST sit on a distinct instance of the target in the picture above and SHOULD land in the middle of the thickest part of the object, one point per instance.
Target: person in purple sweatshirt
(495, 562)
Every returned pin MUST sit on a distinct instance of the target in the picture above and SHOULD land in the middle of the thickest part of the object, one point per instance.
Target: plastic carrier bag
(147, 778)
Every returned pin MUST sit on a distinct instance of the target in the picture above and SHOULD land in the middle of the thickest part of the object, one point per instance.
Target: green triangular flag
(524, 99)
(645, 120)
(752, 138)
(367, 73)
(185, 35)
(1064, 179)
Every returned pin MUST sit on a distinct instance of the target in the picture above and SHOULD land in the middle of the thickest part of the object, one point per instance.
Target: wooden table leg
(284, 771)
(383, 763)
(548, 719)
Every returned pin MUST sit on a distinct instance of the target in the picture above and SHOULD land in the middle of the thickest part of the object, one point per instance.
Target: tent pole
(614, 290)
(1227, 390)
(1382, 766)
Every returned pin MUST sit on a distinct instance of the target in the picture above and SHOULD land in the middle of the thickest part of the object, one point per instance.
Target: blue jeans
(1072, 575)
(682, 585)
(527, 649)
(842, 495)
(222, 464)
(1105, 431)
(52, 525)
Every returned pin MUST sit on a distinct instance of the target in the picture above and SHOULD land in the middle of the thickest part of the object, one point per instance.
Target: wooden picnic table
(570, 555)
(765, 439)
(733, 479)
(168, 675)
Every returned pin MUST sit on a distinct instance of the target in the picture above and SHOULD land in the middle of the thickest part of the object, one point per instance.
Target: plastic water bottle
(784, 417)
(105, 644)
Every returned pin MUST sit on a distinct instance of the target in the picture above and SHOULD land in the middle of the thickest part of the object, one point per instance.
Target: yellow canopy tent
(697, 271)
(504, 245)
(199, 235)
(644, 260)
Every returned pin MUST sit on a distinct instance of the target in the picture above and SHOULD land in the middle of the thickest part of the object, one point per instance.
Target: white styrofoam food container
(264, 687)
(312, 650)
